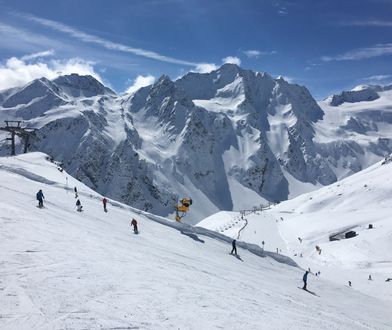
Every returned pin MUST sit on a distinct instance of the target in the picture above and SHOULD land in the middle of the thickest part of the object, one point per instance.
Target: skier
(40, 198)
(305, 279)
(76, 192)
(234, 249)
(104, 201)
(134, 224)
(370, 278)
(79, 206)
(349, 283)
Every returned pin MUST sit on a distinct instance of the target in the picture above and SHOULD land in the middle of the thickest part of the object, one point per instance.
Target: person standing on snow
(40, 198)
(234, 249)
(104, 201)
(76, 192)
(79, 206)
(305, 279)
(134, 224)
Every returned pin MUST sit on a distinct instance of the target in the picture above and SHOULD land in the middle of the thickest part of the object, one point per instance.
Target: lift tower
(15, 129)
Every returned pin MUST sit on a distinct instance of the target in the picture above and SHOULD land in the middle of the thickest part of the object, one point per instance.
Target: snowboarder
(76, 192)
(234, 249)
(104, 201)
(79, 206)
(134, 224)
(40, 198)
(305, 279)
(349, 283)
(370, 277)
(318, 249)
(300, 239)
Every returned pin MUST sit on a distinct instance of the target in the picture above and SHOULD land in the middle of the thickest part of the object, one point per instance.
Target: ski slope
(61, 269)
(350, 204)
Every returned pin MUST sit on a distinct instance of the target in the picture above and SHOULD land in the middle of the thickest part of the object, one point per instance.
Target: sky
(327, 46)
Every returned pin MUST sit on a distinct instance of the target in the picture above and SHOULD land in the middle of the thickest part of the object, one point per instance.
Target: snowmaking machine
(182, 208)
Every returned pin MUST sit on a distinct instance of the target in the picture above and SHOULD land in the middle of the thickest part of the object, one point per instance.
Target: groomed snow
(350, 204)
(61, 269)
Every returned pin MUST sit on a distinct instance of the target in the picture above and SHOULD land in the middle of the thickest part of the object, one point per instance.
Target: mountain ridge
(231, 139)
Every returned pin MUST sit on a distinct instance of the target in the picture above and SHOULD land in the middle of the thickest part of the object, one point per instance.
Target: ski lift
(182, 208)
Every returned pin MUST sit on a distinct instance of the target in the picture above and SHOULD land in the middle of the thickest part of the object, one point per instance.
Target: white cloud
(18, 72)
(92, 39)
(33, 56)
(208, 67)
(23, 40)
(253, 53)
(375, 23)
(232, 60)
(379, 77)
(139, 82)
(205, 67)
(283, 12)
(361, 53)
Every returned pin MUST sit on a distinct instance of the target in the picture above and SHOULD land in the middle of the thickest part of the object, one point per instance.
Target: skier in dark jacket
(104, 202)
(79, 206)
(134, 224)
(40, 198)
(305, 279)
(234, 249)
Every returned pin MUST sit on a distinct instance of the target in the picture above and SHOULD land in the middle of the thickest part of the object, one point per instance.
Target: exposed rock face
(216, 137)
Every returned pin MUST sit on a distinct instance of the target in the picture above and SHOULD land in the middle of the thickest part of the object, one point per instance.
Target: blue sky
(327, 46)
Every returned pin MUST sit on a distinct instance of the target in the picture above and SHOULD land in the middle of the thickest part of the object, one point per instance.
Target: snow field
(350, 204)
(62, 269)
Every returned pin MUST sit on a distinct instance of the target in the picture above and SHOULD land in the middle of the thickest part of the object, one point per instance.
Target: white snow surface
(61, 269)
(350, 204)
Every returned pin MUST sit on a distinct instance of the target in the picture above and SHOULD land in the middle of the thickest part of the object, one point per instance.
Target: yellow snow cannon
(182, 208)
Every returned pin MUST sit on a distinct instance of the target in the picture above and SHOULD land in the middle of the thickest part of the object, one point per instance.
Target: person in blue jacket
(40, 198)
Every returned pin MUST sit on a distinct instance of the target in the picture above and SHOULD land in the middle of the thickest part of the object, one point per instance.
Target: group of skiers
(79, 207)
(40, 197)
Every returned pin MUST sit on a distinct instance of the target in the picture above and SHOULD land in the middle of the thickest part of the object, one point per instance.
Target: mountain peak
(77, 85)
(163, 78)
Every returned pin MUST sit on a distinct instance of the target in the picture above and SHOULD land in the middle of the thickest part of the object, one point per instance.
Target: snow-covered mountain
(297, 226)
(61, 269)
(230, 139)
